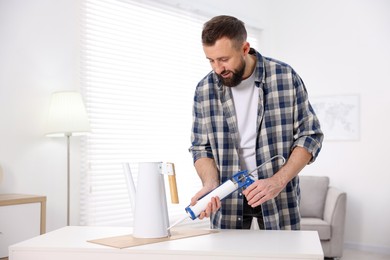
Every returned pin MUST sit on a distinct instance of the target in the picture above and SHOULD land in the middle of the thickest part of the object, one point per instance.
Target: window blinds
(140, 63)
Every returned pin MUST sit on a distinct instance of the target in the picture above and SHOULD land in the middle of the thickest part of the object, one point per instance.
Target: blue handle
(242, 179)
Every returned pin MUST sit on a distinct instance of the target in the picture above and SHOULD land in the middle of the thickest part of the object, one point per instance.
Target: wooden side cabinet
(21, 217)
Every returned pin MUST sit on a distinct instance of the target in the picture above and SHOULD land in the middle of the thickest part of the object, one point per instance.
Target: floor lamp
(67, 116)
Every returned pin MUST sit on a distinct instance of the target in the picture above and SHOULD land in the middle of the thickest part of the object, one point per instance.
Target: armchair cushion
(313, 195)
(321, 226)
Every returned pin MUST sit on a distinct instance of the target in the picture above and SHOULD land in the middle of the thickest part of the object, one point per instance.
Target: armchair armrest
(335, 206)
(334, 214)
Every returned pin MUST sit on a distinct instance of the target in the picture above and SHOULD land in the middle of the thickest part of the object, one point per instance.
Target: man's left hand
(262, 190)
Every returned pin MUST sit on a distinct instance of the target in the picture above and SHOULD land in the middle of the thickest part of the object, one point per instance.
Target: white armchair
(323, 209)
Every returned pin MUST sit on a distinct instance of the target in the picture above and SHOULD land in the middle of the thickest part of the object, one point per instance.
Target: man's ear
(246, 48)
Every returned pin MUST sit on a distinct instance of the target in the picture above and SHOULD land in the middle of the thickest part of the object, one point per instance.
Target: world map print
(338, 115)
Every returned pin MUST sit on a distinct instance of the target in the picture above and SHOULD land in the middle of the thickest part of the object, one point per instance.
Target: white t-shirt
(246, 100)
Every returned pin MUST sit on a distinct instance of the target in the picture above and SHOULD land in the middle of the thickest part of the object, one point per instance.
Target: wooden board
(130, 241)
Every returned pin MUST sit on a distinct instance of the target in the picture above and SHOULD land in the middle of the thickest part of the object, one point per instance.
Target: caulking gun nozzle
(177, 222)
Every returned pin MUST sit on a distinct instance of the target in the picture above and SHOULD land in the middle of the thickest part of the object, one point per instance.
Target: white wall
(338, 47)
(342, 47)
(38, 55)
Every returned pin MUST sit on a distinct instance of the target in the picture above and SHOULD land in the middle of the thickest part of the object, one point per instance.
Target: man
(247, 110)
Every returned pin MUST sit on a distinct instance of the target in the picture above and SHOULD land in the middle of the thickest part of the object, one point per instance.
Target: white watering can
(149, 202)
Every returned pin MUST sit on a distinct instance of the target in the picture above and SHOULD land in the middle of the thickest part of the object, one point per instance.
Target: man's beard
(236, 78)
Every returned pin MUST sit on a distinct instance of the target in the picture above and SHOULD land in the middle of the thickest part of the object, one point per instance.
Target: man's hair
(224, 26)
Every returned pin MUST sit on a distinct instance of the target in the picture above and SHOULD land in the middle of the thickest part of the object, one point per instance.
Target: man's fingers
(212, 207)
(218, 203)
(257, 200)
(209, 209)
(252, 189)
(249, 189)
(198, 195)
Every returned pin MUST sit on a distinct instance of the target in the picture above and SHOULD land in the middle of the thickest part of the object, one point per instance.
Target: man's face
(226, 61)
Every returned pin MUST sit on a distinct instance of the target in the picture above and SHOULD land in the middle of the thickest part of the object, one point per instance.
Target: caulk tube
(221, 192)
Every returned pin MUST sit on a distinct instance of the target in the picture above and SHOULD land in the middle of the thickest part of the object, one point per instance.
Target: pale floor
(350, 254)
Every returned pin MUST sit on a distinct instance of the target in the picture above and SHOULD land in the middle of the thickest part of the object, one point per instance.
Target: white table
(71, 243)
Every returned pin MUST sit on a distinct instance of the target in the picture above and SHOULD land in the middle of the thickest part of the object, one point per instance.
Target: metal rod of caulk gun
(244, 176)
(269, 160)
(261, 165)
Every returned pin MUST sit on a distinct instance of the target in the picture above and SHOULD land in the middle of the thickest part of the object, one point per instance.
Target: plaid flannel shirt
(285, 120)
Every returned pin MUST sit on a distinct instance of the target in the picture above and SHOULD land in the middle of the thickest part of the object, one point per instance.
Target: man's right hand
(212, 206)
(208, 173)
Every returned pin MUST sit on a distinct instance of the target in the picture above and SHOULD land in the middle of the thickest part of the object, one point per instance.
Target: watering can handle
(173, 185)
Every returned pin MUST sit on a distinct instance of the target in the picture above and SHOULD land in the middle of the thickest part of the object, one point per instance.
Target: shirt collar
(260, 68)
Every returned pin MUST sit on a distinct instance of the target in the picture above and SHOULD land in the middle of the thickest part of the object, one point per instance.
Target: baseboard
(368, 248)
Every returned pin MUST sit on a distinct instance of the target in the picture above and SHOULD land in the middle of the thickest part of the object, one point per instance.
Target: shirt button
(239, 219)
(240, 194)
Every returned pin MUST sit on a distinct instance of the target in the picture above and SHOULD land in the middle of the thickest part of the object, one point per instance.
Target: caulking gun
(239, 180)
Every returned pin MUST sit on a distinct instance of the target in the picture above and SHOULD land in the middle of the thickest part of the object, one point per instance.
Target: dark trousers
(250, 213)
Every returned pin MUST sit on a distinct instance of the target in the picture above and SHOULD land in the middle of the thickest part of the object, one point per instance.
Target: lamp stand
(67, 116)
(68, 177)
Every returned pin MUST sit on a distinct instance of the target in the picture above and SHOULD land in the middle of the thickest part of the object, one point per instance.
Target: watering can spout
(130, 184)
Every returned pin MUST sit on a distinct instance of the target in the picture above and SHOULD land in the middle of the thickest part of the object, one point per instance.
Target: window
(140, 64)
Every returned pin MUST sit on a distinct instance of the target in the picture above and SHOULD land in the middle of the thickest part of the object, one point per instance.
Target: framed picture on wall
(339, 116)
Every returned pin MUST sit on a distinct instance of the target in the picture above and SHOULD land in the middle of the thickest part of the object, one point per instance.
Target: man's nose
(218, 67)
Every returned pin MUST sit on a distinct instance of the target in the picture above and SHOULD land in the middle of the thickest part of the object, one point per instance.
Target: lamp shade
(67, 115)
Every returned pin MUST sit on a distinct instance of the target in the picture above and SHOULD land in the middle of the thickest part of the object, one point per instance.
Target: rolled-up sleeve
(200, 147)
(307, 131)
